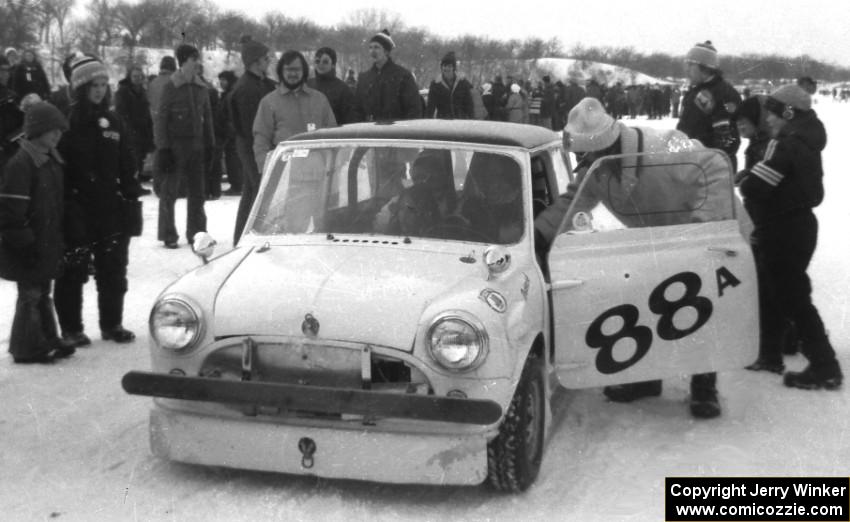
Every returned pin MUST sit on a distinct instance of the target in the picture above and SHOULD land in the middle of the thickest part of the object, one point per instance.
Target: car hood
(369, 294)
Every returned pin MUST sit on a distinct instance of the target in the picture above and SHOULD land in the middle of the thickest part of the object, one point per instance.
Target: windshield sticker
(582, 222)
(285, 156)
(526, 284)
(300, 153)
(494, 300)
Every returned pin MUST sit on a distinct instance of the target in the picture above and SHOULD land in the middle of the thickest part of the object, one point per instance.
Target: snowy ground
(74, 445)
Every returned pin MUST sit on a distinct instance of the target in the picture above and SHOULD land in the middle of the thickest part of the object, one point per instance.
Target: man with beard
(338, 93)
(291, 108)
(449, 97)
(387, 91)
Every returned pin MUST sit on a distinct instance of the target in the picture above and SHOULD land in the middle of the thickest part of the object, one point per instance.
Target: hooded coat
(31, 209)
(790, 177)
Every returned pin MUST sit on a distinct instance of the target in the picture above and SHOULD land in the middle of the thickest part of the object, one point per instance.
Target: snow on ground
(74, 445)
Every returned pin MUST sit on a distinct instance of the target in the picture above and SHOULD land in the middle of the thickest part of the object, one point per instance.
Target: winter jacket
(547, 104)
(756, 149)
(790, 177)
(337, 92)
(28, 78)
(184, 116)
(99, 173)
(155, 91)
(131, 103)
(31, 208)
(653, 184)
(450, 102)
(284, 112)
(245, 99)
(706, 115)
(11, 121)
(516, 108)
(387, 93)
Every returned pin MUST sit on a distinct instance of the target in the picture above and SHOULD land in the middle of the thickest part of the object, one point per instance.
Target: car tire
(514, 456)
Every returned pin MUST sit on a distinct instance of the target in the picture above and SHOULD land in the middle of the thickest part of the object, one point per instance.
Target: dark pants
(189, 167)
(110, 274)
(783, 251)
(250, 184)
(214, 173)
(34, 326)
(232, 165)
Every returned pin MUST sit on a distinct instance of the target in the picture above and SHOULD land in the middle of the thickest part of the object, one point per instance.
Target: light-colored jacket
(283, 113)
(686, 193)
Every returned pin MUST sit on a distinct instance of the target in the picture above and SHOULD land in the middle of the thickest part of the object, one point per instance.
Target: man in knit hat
(251, 87)
(709, 103)
(643, 192)
(31, 206)
(183, 130)
(449, 97)
(780, 192)
(386, 91)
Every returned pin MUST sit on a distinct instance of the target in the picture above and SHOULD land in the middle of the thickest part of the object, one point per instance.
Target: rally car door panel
(633, 304)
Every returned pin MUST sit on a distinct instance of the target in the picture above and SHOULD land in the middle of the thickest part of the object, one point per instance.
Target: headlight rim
(471, 320)
(193, 308)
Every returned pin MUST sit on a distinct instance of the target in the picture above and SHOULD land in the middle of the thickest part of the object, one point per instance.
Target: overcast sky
(819, 28)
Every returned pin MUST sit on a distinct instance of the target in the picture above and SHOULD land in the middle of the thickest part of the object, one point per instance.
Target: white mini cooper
(386, 315)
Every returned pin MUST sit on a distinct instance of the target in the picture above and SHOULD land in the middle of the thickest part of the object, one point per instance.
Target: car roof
(462, 131)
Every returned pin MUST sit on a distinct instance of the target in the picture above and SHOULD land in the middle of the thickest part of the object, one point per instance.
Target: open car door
(650, 274)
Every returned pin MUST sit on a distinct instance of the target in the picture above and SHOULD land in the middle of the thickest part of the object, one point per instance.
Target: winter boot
(762, 365)
(704, 403)
(827, 376)
(118, 334)
(632, 391)
(77, 339)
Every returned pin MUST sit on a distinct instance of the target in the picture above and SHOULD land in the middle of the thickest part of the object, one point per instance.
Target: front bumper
(356, 452)
(318, 399)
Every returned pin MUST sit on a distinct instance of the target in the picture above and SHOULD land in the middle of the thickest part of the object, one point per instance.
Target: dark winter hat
(252, 51)
(787, 97)
(449, 59)
(228, 75)
(327, 51)
(43, 117)
(85, 69)
(384, 39)
(184, 52)
(703, 54)
(168, 63)
(749, 109)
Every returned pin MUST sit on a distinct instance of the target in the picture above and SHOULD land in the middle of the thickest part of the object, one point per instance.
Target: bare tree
(132, 20)
(375, 20)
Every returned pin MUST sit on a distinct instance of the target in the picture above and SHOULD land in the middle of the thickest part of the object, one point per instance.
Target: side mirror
(203, 245)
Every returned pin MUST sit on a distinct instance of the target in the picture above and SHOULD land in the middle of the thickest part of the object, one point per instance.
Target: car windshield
(458, 194)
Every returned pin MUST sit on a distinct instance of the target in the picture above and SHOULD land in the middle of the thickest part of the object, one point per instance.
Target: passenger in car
(491, 199)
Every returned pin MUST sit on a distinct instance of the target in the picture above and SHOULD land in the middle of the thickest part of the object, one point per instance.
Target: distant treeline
(165, 23)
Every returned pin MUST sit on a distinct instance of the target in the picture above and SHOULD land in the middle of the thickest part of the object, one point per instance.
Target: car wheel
(514, 456)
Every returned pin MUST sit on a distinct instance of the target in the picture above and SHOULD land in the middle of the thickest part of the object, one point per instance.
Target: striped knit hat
(384, 39)
(703, 54)
(85, 69)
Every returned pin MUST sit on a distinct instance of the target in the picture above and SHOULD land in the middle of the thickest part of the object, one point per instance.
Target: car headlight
(457, 343)
(174, 324)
